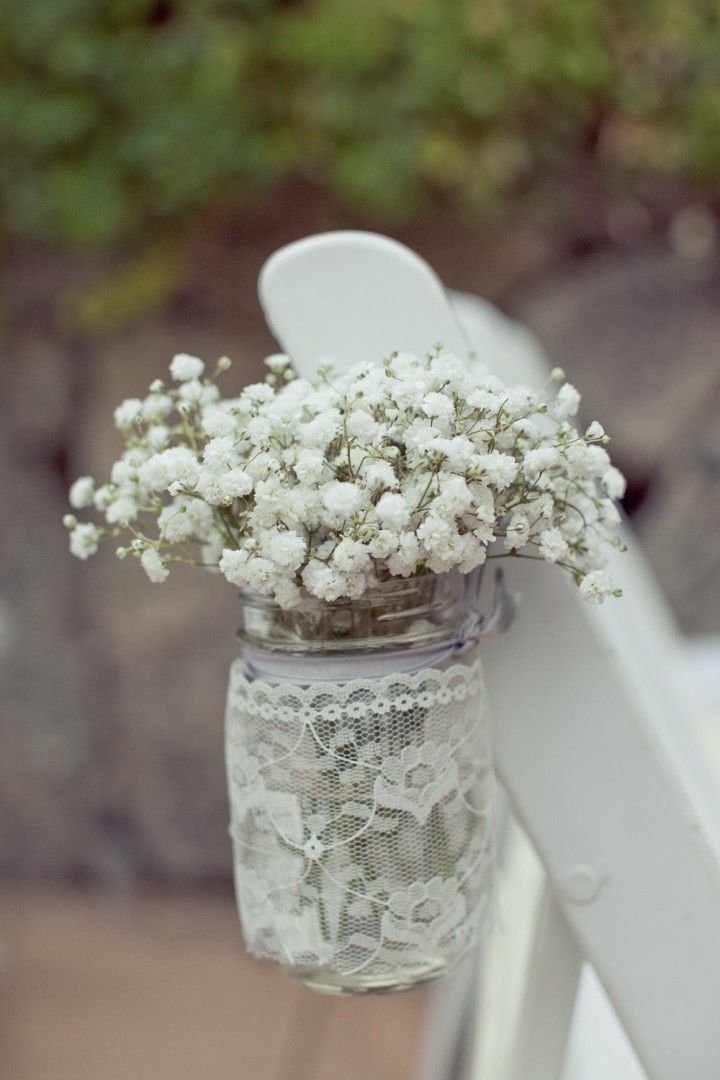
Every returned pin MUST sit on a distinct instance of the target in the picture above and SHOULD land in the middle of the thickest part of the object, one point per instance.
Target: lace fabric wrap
(361, 821)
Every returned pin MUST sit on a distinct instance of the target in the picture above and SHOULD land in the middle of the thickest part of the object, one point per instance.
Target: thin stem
(535, 558)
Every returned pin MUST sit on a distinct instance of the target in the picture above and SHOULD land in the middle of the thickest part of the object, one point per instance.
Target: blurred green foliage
(117, 114)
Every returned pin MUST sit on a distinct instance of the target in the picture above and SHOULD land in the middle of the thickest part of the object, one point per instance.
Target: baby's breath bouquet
(322, 488)
(354, 512)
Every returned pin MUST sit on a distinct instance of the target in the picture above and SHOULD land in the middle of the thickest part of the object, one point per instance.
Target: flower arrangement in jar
(355, 513)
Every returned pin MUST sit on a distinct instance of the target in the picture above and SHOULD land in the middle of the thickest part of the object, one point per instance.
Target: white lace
(361, 818)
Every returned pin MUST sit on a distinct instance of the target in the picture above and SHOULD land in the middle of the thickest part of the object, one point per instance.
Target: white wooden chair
(611, 852)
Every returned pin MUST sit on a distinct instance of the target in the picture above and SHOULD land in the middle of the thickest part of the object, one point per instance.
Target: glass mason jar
(360, 784)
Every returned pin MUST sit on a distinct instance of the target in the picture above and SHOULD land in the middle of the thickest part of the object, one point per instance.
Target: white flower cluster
(324, 487)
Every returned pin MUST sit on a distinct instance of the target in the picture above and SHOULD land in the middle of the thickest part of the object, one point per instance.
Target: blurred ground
(158, 988)
(639, 333)
(112, 765)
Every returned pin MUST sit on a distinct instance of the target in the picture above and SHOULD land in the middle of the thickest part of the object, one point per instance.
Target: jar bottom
(327, 981)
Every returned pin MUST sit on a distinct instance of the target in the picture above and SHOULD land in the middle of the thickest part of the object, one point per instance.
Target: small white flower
(474, 553)
(309, 466)
(270, 501)
(212, 487)
(419, 435)
(438, 405)
(448, 368)
(156, 407)
(318, 433)
(499, 470)
(436, 534)
(82, 493)
(127, 413)
(322, 581)
(342, 499)
(460, 452)
(540, 460)
(379, 474)
(220, 419)
(484, 400)
(614, 482)
(174, 522)
(121, 509)
(153, 565)
(158, 436)
(84, 540)
(103, 496)
(553, 545)
(260, 574)
(237, 482)
(220, 453)
(393, 511)
(277, 363)
(261, 466)
(122, 471)
(587, 461)
(484, 505)
(259, 429)
(383, 544)
(193, 393)
(258, 393)
(351, 556)
(284, 548)
(595, 431)
(233, 564)
(178, 464)
(518, 530)
(125, 470)
(567, 402)
(361, 425)
(455, 496)
(483, 534)
(184, 367)
(596, 586)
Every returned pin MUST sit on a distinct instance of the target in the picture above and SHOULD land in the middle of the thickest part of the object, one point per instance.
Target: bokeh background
(560, 159)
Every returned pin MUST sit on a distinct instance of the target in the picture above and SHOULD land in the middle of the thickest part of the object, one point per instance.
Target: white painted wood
(503, 345)
(598, 1047)
(592, 739)
(450, 1020)
(351, 297)
(640, 713)
(549, 996)
(595, 783)
(507, 954)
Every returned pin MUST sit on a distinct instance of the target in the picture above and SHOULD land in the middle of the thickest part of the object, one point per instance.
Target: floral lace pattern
(361, 820)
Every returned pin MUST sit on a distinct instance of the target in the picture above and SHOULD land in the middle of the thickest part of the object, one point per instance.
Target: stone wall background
(112, 692)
